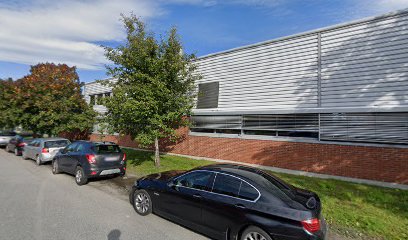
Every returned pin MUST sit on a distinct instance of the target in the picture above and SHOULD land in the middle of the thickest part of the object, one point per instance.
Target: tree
(51, 102)
(154, 88)
(8, 108)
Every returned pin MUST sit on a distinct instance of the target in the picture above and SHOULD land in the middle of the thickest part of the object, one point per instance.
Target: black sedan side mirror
(172, 184)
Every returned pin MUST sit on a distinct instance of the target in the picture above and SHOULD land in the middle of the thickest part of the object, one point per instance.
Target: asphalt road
(35, 204)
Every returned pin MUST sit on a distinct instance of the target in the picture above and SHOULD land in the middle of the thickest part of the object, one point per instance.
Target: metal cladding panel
(366, 65)
(365, 127)
(96, 88)
(100, 108)
(277, 75)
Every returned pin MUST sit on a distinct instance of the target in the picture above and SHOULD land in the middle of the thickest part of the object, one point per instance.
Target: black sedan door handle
(240, 206)
(197, 196)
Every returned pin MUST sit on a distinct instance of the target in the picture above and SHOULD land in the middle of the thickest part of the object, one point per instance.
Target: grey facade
(343, 83)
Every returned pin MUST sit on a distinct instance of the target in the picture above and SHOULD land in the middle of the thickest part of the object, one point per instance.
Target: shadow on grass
(391, 200)
(137, 158)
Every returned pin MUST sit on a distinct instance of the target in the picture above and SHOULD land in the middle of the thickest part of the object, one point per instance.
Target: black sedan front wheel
(55, 167)
(142, 202)
(253, 232)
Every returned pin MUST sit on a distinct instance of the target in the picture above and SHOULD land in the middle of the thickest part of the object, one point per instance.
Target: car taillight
(91, 158)
(311, 225)
(124, 157)
(44, 150)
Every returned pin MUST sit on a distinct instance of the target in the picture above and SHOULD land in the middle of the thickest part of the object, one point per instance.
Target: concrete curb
(294, 172)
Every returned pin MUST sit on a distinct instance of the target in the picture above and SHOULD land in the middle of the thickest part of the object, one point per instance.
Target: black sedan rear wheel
(142, 202)
(253, 232)
(80, 177)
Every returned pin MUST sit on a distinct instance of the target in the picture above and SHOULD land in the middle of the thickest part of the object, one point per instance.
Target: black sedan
(226, 201)
(86, 160)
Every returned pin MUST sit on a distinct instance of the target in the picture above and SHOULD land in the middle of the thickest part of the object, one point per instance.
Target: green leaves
(8, 108)
(50, 101)
(155, 86)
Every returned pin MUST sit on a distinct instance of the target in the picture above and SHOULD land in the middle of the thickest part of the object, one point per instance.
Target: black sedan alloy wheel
(255, 233)
(142, 202)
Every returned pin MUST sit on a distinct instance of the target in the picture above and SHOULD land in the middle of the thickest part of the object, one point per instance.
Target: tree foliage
(8, 109)
(50, 100)
(154, 88)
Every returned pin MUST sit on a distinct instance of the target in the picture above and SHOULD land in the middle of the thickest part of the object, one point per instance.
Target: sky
(73, 31)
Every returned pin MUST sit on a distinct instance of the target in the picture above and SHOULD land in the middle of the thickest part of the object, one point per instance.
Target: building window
(217, 122)
(92, 100)
(99, 99)
(390, 128)
(285, 125)
(208, 95)
(365, 127)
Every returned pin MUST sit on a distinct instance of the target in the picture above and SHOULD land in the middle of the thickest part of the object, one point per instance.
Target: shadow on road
(114, 235)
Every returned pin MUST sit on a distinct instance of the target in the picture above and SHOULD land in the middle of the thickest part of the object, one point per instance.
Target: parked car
(5, 137)
(227, 201)
(16, 144)
(44, 149)
(86, 160)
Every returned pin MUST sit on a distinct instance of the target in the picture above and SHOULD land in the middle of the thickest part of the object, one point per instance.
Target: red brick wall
(374, 163)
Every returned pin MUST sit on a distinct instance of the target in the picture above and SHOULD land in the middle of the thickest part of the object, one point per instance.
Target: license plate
(111, 159)
(110, 171)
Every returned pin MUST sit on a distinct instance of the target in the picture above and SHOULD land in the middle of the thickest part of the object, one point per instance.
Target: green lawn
(354, 210)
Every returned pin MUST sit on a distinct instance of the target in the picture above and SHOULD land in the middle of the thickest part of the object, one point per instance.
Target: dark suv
(86, 160)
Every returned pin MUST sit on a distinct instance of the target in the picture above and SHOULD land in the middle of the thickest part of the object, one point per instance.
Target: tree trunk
(156, 153)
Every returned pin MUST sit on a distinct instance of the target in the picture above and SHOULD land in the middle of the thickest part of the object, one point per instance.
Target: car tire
(80, 177)
(38, 160)
(253, 232)
(55, 167)
(142, 203)
(16, 152)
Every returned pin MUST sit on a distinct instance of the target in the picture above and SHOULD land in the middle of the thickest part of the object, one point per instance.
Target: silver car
(44, 149)
(5, 137)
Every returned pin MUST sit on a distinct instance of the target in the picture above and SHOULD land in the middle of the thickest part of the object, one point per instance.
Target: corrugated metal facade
(278, 75)
(366, 64)
(356, 65)
(353, 70)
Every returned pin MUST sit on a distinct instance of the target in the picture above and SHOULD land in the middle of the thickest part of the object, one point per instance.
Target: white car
(5, 137)
(44, 149)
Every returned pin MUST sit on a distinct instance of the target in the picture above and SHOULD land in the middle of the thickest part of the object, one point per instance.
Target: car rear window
(56, 144)
(226, 185)
(247, 192)
(106, 149)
